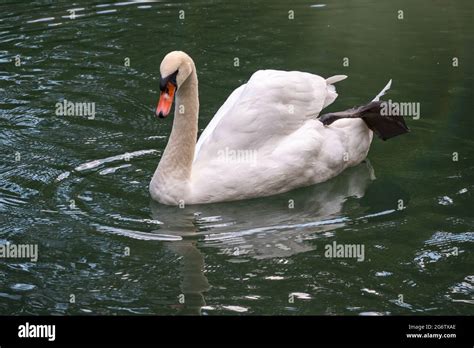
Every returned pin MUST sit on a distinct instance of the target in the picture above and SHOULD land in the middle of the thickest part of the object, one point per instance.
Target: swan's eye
(170, 79)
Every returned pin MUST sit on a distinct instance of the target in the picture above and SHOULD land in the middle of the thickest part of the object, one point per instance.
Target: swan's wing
(270, 106)
(234, 96)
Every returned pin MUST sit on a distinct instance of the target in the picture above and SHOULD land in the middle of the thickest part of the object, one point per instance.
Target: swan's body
(264, 140)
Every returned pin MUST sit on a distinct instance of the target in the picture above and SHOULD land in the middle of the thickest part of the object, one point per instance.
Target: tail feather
(383, 91)
(336, 78)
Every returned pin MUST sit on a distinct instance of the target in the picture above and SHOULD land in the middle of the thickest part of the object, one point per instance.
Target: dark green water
(78, 187)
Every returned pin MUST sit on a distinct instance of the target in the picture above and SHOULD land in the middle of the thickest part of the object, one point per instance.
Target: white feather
(335, 78)
(217, 117)
(271, 122)
(382, 92)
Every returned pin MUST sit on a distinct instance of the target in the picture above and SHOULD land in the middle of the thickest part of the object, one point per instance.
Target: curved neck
(176, 162)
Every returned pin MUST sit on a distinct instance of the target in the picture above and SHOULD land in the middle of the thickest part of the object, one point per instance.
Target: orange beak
(166, 101)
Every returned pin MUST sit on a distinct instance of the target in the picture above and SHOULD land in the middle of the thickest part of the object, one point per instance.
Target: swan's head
(175, 69)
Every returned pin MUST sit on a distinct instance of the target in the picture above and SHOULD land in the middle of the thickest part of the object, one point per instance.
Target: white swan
(265, 139)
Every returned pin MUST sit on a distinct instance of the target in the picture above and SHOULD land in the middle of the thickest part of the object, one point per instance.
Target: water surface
(78, 187)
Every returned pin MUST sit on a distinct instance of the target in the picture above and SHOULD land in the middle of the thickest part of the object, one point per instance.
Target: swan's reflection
(277, 226)
(193, 281)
